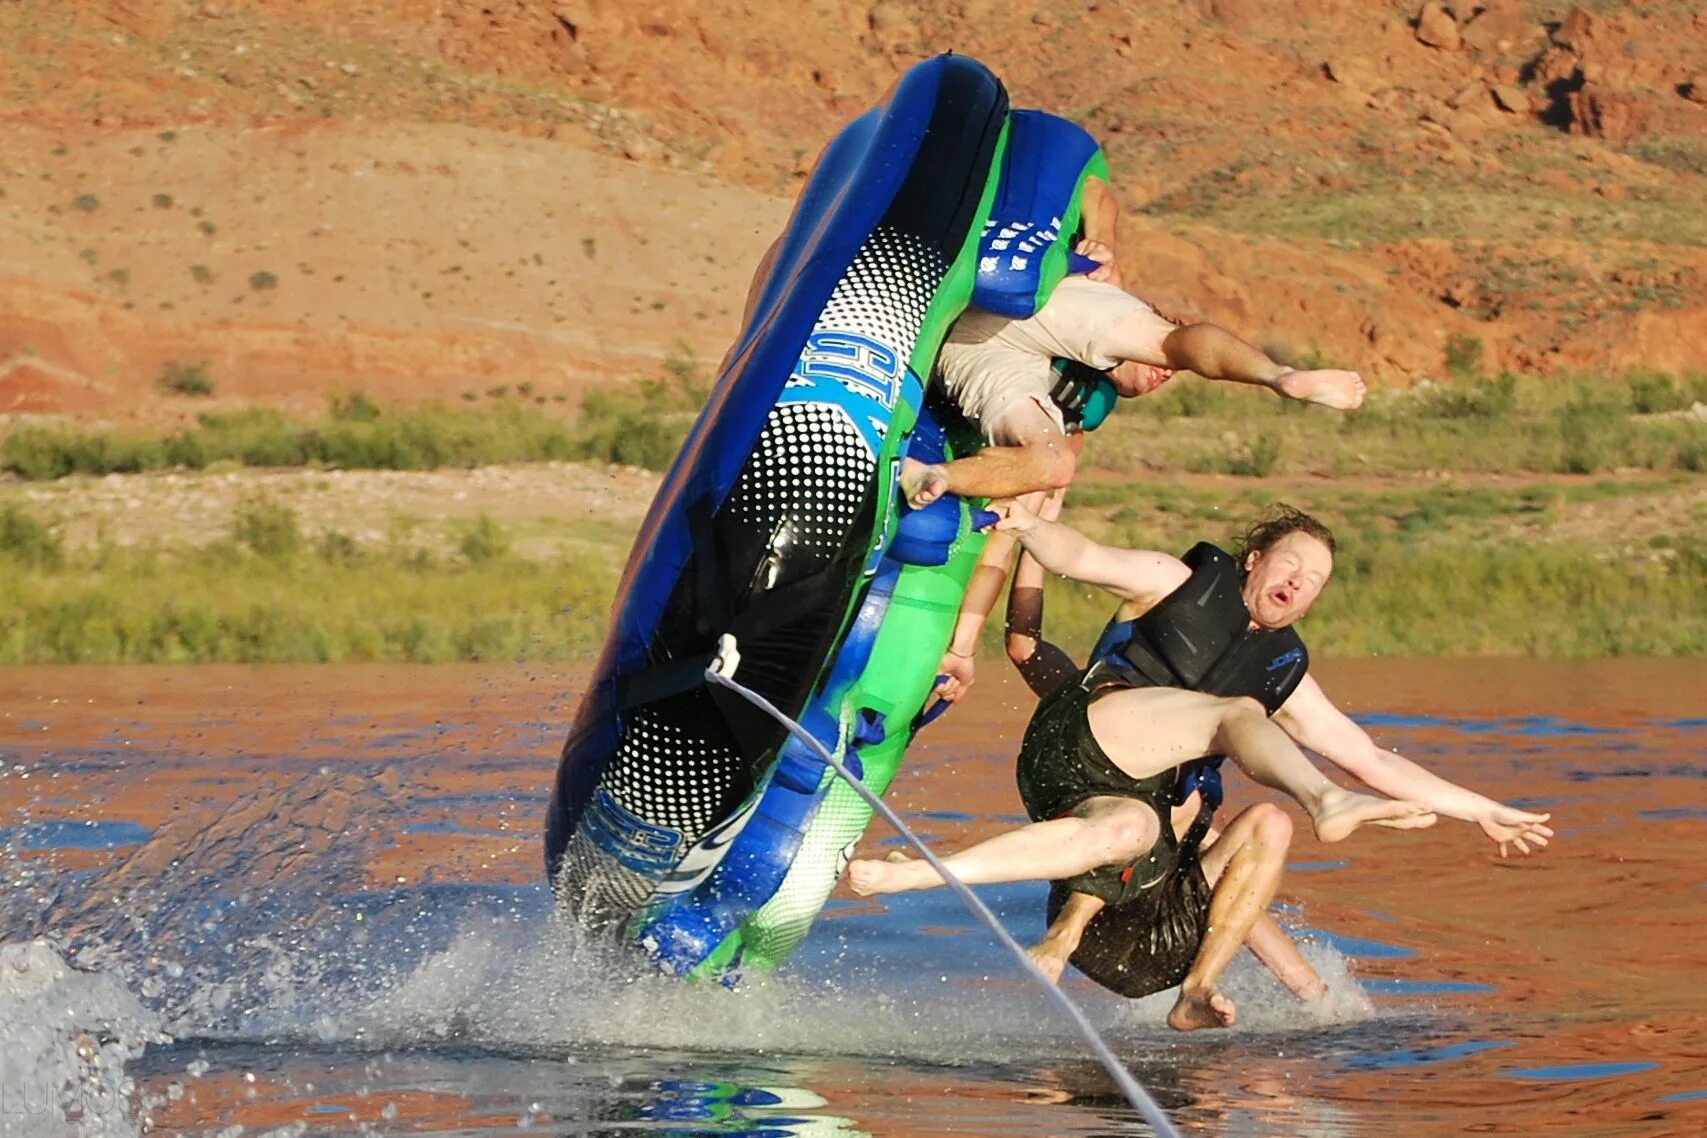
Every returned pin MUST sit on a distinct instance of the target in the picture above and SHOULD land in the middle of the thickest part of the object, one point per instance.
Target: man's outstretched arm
(1130, 574)
(988, 576)
(1314, 722)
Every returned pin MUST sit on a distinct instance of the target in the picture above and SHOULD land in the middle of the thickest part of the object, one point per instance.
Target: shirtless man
(1203, 653)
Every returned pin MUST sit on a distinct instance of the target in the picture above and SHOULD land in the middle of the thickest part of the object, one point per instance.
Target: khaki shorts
(991, 365)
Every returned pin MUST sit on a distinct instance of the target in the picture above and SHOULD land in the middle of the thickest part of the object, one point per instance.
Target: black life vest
(1199, 637)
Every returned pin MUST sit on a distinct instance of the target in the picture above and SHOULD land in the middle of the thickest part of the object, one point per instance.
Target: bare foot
(1341, 390)
(921, 484)
(1207, 1008)
(896, 873)
(1341, 811)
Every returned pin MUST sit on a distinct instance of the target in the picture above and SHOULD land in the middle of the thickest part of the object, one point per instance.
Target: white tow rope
(722, 672)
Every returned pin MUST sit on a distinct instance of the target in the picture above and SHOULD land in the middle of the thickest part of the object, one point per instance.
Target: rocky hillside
(442, 199)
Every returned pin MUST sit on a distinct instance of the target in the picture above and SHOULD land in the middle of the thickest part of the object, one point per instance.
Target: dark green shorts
(1158, 906)
(1061, 765)
(1144, 945)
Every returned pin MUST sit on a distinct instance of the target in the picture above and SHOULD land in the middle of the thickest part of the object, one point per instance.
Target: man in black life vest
(1200, 655)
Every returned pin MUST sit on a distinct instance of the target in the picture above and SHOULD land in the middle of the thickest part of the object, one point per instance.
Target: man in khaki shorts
(998, 371)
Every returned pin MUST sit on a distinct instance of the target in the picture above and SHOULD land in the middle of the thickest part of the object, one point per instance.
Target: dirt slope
(435, 198)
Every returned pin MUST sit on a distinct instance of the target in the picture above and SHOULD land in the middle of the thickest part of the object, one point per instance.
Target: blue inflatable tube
(774, 521)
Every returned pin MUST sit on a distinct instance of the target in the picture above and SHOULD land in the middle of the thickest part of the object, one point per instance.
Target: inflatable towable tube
(684, 820)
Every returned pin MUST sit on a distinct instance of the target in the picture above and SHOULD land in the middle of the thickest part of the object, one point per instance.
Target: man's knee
(1270, 825)
(1123, 834)
(1241, 707)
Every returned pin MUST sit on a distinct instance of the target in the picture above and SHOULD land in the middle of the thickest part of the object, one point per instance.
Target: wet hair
(1276, 524)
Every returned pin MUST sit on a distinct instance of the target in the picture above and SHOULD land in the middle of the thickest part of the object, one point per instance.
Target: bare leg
(1103, 831)
(1215, 353)
(1279, 953)
(1245, 865)
(1149, 730)
(1269, 943)
(1062, 938)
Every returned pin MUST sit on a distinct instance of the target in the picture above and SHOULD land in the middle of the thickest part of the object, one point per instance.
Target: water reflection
(1425, 1056)
(67, 834)
(214, 1088)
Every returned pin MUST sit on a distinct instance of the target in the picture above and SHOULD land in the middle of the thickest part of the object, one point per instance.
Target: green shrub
(336, 548)
(1655, 392)
(267, 528)
(644, 423)
(254, 436)
(185, 378)
(1188, 398)
(27, 542)
(629, 437)
(1592, 436)
(484, 541)
(36, 454)
(1464, 355)
(1259, 461)
(263, 280)
(1477, 398)
(354, 407)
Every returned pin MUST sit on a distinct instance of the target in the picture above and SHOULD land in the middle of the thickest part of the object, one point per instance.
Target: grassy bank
(1470, 424)
(1467, 424)
(1479, 515)
(270, 593)
(640, 423)
(1577, 569)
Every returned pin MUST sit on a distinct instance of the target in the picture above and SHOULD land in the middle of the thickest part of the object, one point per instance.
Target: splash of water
(262, 925)
(68, 1034)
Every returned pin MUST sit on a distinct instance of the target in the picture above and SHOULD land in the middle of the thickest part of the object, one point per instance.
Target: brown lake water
(308, 900)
